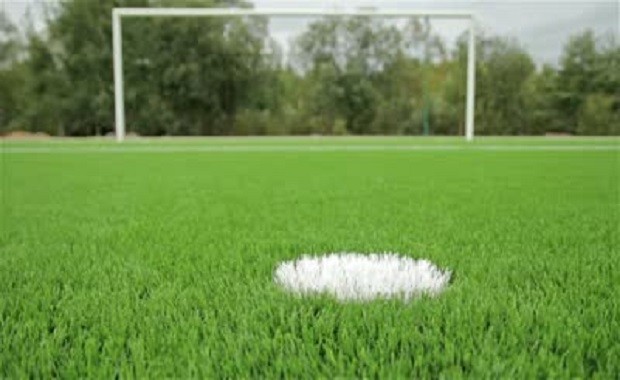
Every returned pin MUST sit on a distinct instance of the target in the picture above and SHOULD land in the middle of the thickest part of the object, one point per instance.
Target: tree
(343, 59)
(11, 71)
(503, 69)
(589, 84)
(361, 75)
(421, 41)
(541, 98)
(577, 68)
(9, 41)
(597, 117)
(183, 76)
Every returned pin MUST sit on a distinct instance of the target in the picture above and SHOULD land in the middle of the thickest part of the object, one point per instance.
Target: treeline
(355, 75)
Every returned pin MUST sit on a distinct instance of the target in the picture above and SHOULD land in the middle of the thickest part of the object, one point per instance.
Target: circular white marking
(361, 277)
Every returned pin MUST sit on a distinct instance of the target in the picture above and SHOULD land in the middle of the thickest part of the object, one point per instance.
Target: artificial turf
(160, 264)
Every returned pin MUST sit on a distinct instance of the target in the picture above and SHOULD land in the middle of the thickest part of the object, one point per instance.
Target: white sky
(541, 26)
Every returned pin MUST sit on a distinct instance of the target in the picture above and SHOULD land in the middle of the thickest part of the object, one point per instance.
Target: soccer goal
(118, 14)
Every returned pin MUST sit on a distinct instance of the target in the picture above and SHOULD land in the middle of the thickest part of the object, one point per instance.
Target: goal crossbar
(118, 13)
(188, 12)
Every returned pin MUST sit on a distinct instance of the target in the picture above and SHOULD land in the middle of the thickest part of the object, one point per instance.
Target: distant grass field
(136, 263)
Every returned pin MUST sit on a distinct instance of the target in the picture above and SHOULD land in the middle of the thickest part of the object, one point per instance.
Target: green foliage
(503, 68)
(9, 41)
(597, 116)
(200, 70)
(588, 74)
(11, 72)
(343, 75)
(159, 265)
(11, 85)
(540, 98)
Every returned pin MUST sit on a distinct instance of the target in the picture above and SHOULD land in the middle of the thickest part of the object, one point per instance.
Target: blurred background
(542, 68)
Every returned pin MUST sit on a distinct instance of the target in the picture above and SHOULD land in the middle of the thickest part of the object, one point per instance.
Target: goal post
(119, 13)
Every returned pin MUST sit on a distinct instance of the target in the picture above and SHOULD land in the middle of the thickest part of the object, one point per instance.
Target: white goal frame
(119, 13)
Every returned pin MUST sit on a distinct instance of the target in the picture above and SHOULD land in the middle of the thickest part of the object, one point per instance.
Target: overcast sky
(541, 26)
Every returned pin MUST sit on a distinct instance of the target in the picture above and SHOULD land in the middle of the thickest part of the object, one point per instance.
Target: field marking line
(302, 148)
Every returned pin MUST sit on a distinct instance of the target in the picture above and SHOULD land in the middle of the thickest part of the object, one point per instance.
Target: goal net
(208, 71)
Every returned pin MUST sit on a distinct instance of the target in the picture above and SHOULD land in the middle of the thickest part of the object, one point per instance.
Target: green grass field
(145, 263)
